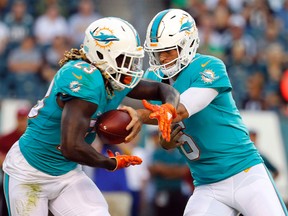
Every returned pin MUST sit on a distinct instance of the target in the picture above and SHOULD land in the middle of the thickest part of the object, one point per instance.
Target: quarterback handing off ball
(111, 126)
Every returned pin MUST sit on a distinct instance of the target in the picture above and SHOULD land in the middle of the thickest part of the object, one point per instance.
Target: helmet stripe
(138, 39)
(155, 25)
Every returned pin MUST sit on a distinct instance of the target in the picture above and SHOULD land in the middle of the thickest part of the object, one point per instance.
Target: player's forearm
(86, 155)
(169, 95)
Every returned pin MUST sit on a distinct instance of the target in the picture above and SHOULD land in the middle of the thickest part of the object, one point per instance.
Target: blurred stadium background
(250, 36)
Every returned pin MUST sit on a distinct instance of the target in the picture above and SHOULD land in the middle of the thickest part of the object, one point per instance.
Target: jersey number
(40, 104)
(85, 67)
(189, 148)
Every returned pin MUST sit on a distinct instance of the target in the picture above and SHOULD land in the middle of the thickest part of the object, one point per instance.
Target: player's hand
(175, 138)
(135, 123)
(123, 161)
(164, 114)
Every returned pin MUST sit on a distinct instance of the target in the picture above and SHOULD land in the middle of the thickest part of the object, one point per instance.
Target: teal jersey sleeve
(204, 72)
(82, 80)
(41, 141)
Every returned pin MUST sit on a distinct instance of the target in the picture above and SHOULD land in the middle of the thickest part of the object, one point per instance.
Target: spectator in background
(54, 53)
(271, 35)
(52, 56)
(6, 141)
(210, 39)
(24, 64)
(282, 15)
(79, 21)
(221, 24)
(168, 171)
(4, 38)
(233, 5)
(64, 7)
(3, 8)
(270, 166)
(19, 22)
(237, 32)
(254, 99)
(239, 67)
(273, 67)
(259, 15)
(50, 25)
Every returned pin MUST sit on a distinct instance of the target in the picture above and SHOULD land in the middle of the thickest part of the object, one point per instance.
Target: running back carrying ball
(111, 126)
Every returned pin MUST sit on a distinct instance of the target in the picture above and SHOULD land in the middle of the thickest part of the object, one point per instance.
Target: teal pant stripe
(277, 192)
(6, 191)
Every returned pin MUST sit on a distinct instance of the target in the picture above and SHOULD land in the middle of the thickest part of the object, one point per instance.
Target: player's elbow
(69, 152)
(65, 152)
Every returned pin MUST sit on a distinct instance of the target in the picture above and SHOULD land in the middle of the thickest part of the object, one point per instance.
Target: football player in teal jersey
(229, 173)
(42, 169)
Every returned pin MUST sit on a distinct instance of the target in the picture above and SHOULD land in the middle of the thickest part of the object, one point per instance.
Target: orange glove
(164, 114)
(123, 161)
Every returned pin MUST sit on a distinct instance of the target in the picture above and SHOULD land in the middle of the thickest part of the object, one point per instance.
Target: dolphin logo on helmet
(186, 26)
(106, 38)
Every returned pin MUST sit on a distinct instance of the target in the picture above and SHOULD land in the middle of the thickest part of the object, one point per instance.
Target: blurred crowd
(250, 36)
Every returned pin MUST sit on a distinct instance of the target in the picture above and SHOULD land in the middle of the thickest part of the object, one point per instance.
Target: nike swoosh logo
(78, 77)
(247, 170)
(203, 65)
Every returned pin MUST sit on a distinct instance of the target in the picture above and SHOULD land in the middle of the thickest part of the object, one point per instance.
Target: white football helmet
(113, 45)
(171, 29)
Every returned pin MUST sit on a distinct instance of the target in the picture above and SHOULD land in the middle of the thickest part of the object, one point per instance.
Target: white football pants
(250, 192)
(30, 192)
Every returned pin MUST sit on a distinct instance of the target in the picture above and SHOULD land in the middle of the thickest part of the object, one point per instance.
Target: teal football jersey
(217, 143)
(41, 141)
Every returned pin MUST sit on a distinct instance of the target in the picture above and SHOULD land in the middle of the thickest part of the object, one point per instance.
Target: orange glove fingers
(135, 160)
(150, 106)
(110, 153)
(126, 161)
(166, 132)
(123, 161)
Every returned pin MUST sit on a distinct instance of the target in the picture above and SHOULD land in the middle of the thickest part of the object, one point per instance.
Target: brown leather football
(111, 126)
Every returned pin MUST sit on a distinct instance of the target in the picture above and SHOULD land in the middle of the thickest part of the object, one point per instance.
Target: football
(111, 126)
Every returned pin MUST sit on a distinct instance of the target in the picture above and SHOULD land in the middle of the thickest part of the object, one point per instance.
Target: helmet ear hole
(192, 43)
(100, 56)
